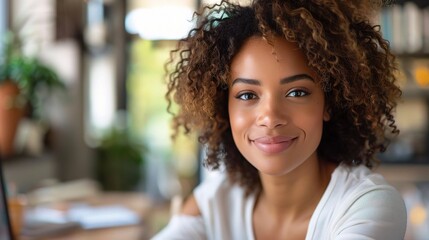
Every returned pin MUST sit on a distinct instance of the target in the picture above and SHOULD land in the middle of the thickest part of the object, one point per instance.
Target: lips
(272, 145)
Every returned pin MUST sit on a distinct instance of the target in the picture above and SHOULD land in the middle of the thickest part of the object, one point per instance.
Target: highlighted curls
(354, 62)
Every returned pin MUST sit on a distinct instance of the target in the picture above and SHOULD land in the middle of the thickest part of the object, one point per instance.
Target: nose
(271, 114)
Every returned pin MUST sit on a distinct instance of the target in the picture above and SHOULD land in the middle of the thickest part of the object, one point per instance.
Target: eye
(297, 93)
(246, 96)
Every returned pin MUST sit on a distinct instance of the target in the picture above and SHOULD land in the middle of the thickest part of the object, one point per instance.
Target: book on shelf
(406, 27)
(413, 22)
(425, 16)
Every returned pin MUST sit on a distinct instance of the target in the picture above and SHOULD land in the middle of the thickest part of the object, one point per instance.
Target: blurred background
(84, 125)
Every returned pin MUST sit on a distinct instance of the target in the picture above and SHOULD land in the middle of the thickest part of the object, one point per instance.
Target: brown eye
(246, 96)
(297, 93)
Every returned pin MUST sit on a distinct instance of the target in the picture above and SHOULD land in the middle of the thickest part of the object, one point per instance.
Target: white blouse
(357, 204)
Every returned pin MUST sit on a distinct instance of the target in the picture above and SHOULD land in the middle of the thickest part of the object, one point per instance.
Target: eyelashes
(245, 96)
(295, 93)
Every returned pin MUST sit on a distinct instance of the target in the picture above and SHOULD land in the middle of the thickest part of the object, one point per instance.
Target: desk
(136, 201)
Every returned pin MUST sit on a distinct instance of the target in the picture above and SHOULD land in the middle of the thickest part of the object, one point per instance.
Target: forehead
(259, 59)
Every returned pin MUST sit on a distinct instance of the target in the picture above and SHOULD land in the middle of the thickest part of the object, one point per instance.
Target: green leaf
(29, 73)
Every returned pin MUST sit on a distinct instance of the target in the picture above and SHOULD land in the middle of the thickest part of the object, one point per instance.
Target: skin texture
(276, 107)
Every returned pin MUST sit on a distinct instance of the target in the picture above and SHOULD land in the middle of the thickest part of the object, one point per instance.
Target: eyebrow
(296, 78)
(282, 81)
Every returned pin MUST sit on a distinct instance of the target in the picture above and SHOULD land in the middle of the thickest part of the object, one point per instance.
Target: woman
(292, 99)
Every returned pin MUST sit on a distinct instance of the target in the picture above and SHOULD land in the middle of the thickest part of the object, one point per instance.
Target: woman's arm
(187, 225)
(190, 207)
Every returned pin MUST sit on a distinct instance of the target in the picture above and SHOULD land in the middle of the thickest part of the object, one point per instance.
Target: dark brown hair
(353, 61)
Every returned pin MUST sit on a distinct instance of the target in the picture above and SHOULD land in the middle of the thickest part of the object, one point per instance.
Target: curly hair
(354, 62)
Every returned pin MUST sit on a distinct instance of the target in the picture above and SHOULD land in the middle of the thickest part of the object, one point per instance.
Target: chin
(276, 167)
(276, 170)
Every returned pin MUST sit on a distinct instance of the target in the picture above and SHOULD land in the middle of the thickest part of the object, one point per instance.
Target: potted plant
(120, 161)
(22, 78)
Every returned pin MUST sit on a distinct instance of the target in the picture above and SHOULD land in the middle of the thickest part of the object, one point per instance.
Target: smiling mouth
(273, 145)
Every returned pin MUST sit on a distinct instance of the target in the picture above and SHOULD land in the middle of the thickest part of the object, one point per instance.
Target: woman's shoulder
(358, 178)
(363, 202)
(355, 185)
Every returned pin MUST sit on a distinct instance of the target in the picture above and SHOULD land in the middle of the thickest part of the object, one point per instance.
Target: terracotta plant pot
(10, 116)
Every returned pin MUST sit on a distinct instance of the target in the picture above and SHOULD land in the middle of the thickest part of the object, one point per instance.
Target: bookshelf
(405, 24)
(406, 163)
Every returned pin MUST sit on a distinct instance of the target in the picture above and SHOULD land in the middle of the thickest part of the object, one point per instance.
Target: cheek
(311, 120)
(238, 118)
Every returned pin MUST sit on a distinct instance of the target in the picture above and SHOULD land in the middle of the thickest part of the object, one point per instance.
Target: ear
(326, 114)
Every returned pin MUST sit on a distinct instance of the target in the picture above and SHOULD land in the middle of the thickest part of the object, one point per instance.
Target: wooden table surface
(137, 202)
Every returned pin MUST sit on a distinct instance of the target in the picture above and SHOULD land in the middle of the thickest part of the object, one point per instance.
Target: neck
(295, 195)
